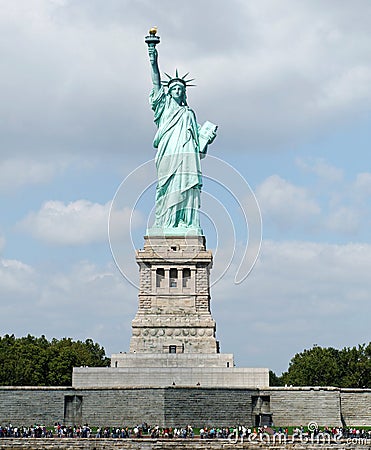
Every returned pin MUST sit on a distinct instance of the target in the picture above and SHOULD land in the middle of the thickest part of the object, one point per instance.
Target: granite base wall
(302, 405)
(115, 407)
(209, 407)
(172, 406)
(178, 406)
(356, 406)
(29, 405)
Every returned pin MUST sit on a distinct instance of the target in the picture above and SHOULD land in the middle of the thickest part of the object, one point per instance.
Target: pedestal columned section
(174, 297)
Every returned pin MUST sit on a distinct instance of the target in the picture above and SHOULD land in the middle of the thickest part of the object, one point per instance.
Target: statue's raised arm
(153, 58)
(152, 40)
(180, 143)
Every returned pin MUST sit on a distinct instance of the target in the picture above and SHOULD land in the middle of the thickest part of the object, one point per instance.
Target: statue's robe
(177, 162)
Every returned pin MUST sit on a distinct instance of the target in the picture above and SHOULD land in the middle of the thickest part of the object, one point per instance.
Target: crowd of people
(156, 432)
(139, 431)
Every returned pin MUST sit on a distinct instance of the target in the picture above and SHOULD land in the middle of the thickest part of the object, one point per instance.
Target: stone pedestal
(173, 339)
(174, 297)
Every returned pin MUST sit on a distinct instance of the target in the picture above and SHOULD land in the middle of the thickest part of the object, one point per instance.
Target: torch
(152, 40)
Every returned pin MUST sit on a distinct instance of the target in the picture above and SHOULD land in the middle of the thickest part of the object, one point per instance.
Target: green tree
(348, 367)
(32, 361)
(274, 380)
(23, 360)
(66, 354)
(356, 364)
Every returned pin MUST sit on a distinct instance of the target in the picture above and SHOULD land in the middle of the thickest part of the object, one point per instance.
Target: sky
(289, 85)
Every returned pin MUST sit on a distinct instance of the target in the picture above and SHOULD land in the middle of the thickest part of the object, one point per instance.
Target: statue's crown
(177, 79)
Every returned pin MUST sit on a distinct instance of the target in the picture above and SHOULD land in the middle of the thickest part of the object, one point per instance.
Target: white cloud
(79, 222)
(299, 293)
(84, 301)
(16, 278)
(295, 68)
(15, 173)
(344, 220)
(339, 208)
(284, 203)
(75, 223)
(298, 72)
(123, 221)
(363, 184)
(74, 99)
(2, 242)
(322, 169)
(352, 87)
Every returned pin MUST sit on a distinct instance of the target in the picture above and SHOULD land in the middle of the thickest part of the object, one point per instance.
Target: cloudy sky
(289, 85)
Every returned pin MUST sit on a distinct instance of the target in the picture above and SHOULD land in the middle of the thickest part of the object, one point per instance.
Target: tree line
(349, 367)
(35, 361)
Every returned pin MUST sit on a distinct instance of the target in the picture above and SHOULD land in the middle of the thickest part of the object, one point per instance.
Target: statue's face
(177, 92)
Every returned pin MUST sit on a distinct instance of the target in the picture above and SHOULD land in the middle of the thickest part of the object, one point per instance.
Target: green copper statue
(181, 142)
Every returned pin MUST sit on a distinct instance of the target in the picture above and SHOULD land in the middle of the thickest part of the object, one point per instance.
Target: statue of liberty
(181, 143)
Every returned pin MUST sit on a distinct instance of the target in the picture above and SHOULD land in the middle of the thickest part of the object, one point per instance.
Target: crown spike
(178, 79)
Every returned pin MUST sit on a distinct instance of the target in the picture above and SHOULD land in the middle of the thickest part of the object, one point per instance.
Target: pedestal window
(173, 278)
(160, 278)
(186, 278)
